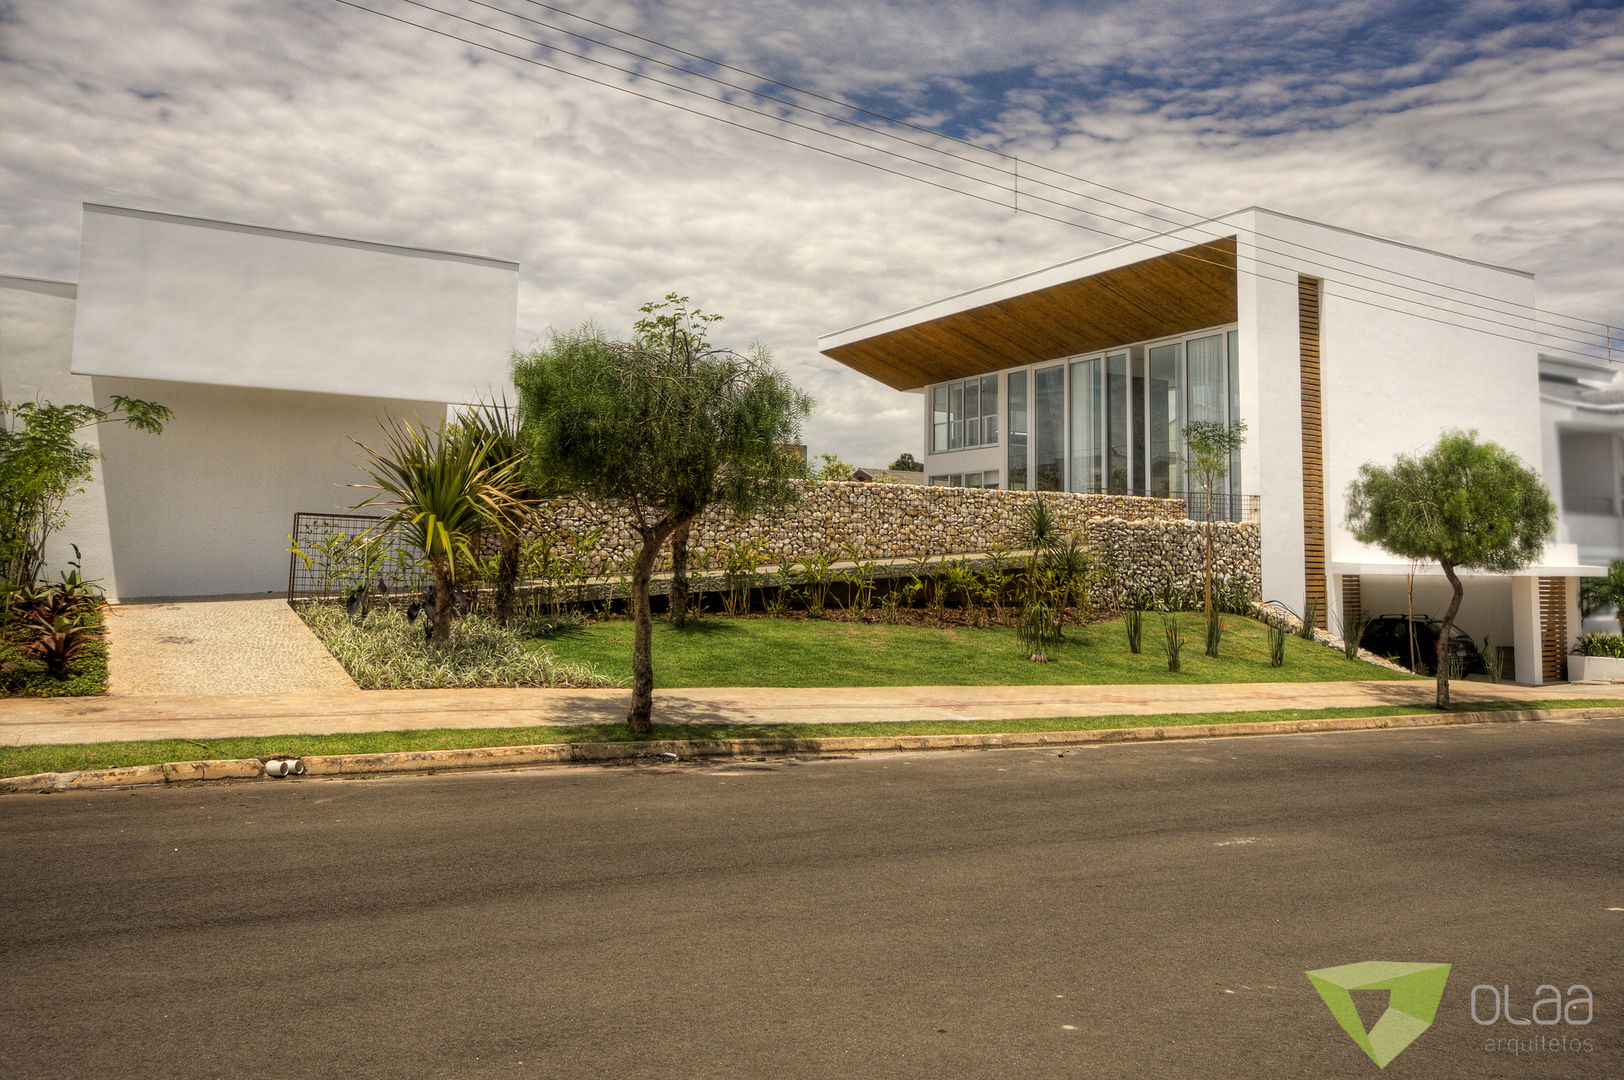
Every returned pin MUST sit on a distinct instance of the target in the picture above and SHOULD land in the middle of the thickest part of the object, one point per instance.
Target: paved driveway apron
(218, 647)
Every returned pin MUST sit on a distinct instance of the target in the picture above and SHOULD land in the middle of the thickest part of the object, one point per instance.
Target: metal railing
(329, 554)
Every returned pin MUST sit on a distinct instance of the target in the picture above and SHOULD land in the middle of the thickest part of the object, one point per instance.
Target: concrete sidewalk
(215, 716)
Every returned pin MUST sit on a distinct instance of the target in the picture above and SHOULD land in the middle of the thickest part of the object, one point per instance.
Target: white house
(1582, 407)
(1336, 348)
(274, 349)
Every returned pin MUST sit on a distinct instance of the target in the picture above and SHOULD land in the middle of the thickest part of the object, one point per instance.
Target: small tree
(682, 334)
(42, 462)
(906, 463)
(1211, 446)
(662, 437)
(835, 469)
(1464, 504)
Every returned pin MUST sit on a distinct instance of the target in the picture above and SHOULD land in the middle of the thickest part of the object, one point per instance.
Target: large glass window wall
(1114, 422)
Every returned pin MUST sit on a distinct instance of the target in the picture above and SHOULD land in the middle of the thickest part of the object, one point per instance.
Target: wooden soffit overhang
(1173, 293)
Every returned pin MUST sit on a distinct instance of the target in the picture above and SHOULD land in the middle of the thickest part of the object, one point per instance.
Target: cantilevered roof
(995, 328)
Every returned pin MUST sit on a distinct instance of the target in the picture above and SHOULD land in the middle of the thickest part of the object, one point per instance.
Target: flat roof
(1028, 321)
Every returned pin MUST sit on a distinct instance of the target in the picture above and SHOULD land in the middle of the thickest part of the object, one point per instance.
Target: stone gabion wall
(1149, 541)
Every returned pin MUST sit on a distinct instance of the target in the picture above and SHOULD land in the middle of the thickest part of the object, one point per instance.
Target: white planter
(1595, 669)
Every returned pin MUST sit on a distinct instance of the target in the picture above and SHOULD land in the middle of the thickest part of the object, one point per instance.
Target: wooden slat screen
(1352, 603)
(1308, 327)
(1553, 628)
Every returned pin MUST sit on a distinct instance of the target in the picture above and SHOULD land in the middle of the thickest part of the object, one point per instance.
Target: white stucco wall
(1395, 374)
(36, 342)
(190, 300)
(205, 508)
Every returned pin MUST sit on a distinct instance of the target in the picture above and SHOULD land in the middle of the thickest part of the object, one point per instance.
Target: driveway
(235, 646)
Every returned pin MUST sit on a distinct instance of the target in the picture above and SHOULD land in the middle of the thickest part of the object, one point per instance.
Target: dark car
(1389, 636)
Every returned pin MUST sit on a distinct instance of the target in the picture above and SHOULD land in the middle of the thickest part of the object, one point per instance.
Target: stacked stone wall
(1148, 543)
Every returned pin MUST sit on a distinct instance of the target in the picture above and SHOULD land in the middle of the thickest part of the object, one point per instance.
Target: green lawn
(717, 651)
(26, 760)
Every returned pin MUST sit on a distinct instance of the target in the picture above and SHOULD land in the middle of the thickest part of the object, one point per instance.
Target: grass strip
(66, 757)
(715, 651)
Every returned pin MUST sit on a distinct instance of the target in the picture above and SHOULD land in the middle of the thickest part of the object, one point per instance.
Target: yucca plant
(1277, 645)
(1174, 643)
(1310, 619)
(494, 427)
(443, 490)
(1037, 631)
(1215, 631)
(1133, 621)
(1354, 623)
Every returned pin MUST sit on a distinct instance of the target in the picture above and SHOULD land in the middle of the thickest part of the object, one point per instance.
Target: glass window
(1017, 431)
(1136, 460)
(989, 479)
(941, 481)
(1234, 383)
(964, 414)
(1086, 456)
(1048, 428)
(1205, 357)
(1162, 424)
(1116, 423)
(989, 409)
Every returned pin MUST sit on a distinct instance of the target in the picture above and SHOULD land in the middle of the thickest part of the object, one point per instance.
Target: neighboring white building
(1581, 405)
(1335, 347)
(274, 349)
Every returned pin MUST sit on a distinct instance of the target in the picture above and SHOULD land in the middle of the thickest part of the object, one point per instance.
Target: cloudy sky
(1492, 129)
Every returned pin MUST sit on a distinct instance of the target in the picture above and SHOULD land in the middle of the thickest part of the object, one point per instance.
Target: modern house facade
(1582, 408)
(1334, 347)
(274, 349)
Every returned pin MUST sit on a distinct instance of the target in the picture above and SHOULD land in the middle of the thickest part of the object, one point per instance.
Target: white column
(1525, 630)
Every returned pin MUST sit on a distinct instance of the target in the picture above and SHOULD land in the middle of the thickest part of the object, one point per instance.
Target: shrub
(1174, 644)
(1037, 631)
(1310, 617)
(1601, 645)
(1353, 631)
(1133, 620)
(1277, 645)
(1215, 631)
(385, 652)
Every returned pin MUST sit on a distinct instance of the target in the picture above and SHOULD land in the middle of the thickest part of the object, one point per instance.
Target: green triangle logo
(1414, 993)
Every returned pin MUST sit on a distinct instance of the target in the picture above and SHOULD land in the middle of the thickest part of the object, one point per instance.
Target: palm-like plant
(442, 488)
(496, 426)
(1601, 592)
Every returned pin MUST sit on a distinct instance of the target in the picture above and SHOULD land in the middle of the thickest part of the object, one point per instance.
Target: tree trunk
(1209, 557)
(1443, 636)
(507, 577)
(639, 718)
(441, 630)
(678, 595)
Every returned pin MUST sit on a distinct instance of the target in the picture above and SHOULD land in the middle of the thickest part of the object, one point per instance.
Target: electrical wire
(1196, 223)
(1222, 231)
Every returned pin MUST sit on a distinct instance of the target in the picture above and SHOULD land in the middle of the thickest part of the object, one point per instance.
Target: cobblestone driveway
(216, 646)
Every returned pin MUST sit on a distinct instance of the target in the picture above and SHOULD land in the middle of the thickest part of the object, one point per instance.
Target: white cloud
(310, 115)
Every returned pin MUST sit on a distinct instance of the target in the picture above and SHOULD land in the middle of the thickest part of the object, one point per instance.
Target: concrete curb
(498, 757)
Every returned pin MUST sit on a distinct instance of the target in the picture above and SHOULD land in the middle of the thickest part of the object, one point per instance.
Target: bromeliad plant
(443, 490)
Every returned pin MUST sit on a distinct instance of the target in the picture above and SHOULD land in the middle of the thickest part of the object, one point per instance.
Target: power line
(777, 119)
(1015, 165)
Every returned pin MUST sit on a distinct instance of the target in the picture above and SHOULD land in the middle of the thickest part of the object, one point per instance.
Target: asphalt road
(1117, 911)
